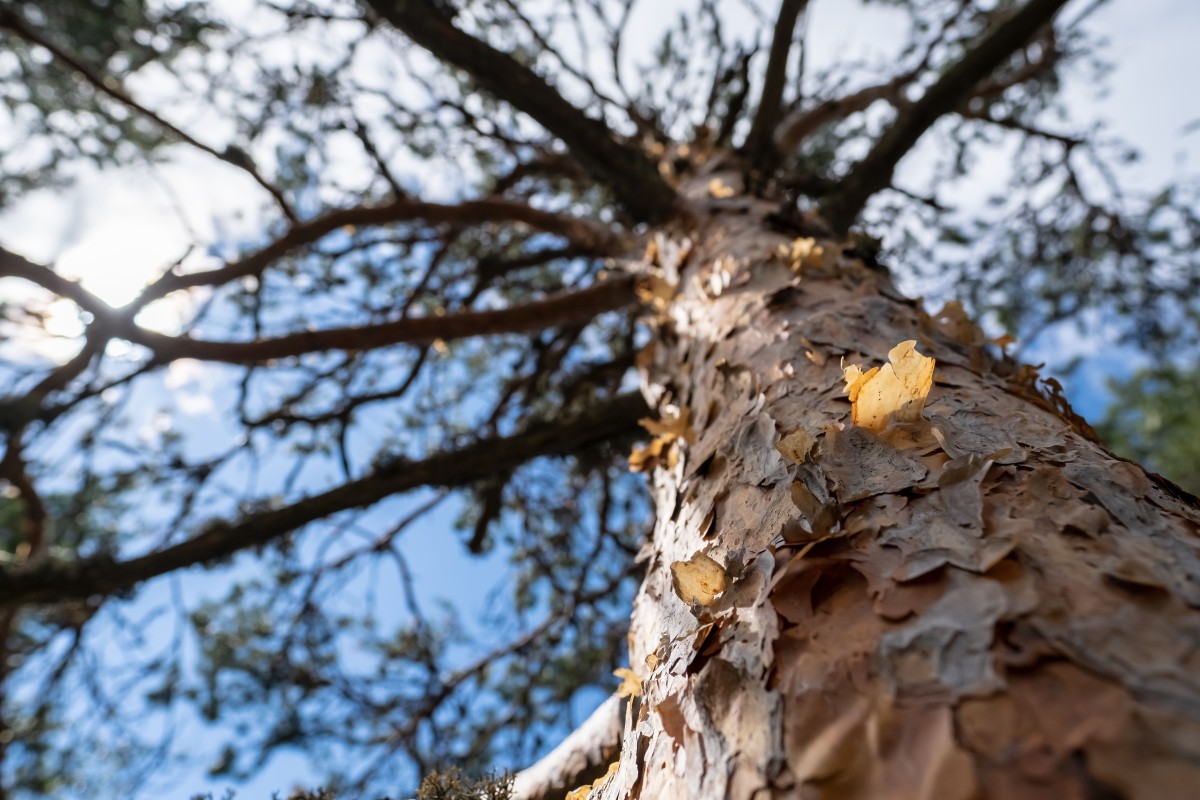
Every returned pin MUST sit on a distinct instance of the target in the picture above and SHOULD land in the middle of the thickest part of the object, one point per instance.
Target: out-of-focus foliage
(51, 118)
(1154, 419)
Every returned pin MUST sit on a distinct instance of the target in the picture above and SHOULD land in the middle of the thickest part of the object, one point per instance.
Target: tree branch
(560, 309)
(597, 238)
(739, 72)
(632, 177)
(580, 758)
(874, 172)
(760, 146)
(13, 265)
(55, 581)
(801, 124)
(492, 267)
(17, 412)
(1014, 124)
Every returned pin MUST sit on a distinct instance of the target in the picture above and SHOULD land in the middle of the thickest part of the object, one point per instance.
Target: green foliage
(312, 794)
(447, 784)
(84, 522)
(451, 784)
(1155, 419)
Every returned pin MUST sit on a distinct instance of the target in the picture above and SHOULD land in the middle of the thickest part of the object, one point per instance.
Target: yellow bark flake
(805, 254)
(673, 425)
(631, 685)
(642, 457)
(895, 391)
(583, 791)
(699, 580)
(666, 431)
(655, 292)
(651, 255)
(719, 190)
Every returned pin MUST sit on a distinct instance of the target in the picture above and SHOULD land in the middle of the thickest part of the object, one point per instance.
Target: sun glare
(116, 231)
(124, 237)
(115, 260)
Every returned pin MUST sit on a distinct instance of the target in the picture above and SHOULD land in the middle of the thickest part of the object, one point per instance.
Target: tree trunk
(983, 602)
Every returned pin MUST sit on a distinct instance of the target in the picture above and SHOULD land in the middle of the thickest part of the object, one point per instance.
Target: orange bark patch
(895, 391)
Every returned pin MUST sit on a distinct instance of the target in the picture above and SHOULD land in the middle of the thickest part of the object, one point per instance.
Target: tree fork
(981, 603)
(631, 176)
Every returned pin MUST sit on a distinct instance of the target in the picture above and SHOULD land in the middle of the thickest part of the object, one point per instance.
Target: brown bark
(760, 147)
(984, 603)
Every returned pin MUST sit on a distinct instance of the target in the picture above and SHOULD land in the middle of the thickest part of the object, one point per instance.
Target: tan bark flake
(796, 445)
(699, 580)
(583, 792)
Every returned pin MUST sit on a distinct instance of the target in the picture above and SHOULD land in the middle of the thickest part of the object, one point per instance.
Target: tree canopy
(403, 343)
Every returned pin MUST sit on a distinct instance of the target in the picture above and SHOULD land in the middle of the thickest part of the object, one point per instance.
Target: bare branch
(361, 132)
(874, 172)
(566, 66)
(759, 146)
(1048, 55)
(631, 176)
(17, 412)
(53, 581)
(739, 72)
(801, 124)
(13, 265)
(554, 311)
(1014, 124)
(595, 237)
(491, 267)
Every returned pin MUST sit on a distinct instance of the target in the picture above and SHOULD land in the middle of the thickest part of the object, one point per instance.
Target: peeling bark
(580, 758)
(981, 603)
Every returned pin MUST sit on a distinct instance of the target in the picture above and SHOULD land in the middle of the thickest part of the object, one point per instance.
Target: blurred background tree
(1154, 419)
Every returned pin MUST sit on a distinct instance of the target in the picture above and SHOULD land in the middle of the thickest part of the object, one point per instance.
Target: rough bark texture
(984, 603)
